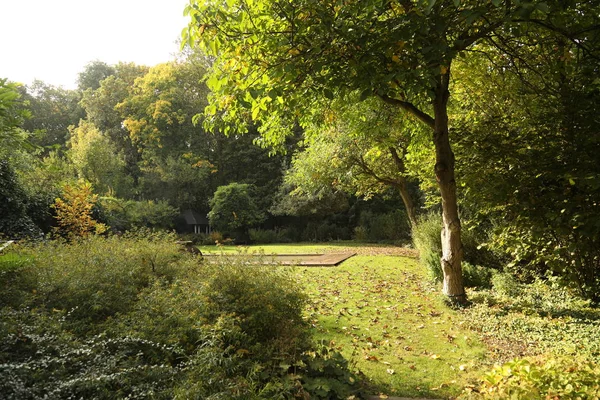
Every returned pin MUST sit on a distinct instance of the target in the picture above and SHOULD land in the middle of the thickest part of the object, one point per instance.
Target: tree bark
(409, 205)
(452, 251)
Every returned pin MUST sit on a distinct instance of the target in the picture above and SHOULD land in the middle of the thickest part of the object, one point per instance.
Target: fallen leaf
(390, 371)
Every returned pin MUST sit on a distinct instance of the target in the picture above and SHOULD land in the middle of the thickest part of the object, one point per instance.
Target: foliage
(53, 109)
(540, 378)
(387, 227)
(530, 165)
(74, 211)
(542, 317)
(269, 235)
(14, 219)
(96, 160)
(123, 215)
(234, 207)
(479, 262)
(12, 116)
(93, 74)
(133, 316)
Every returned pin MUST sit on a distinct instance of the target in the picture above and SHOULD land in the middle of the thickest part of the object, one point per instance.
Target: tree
(362, 150)
(74, 211)
(100, 107)
(12, 117)
(274, 57)
(234, 209)
(14, 221)
(536, 133)
(97, 161)
(53, 110)
(93, 74)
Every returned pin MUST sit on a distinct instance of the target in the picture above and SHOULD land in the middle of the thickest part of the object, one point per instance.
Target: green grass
(296, 248)
(380, 314)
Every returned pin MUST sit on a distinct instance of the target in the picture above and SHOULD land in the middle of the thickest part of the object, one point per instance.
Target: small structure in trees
(195, 222)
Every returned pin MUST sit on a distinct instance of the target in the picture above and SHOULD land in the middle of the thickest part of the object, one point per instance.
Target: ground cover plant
(382, 312)
(135, 317)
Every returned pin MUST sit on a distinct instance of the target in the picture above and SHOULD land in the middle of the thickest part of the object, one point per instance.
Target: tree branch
(411, 108)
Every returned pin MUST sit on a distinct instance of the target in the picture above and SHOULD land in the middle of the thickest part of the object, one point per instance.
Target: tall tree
(94, 73)
(12, 117)
(363, 149)
(274, 57)
(100, 108)
(53, 109)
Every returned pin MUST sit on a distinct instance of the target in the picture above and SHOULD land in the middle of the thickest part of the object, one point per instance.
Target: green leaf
(328, 94)
(365, 94)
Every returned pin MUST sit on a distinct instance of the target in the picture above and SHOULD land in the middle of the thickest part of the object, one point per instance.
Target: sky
(53, 40)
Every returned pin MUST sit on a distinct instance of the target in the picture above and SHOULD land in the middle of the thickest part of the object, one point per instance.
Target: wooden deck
(305, 260)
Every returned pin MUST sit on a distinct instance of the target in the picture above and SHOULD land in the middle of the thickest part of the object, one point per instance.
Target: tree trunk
(452, 251)
(409, 205)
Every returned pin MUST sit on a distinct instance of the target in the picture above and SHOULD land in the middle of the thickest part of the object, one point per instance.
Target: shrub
(235, 208)
(554, 378)
(476, 276)
(389, 227)
(427, 239)
(41, 359)
(263, 236)
(123, 215)
(324, 231)
(96, 278)
(269, 235)
(74, 211)
(133, 317)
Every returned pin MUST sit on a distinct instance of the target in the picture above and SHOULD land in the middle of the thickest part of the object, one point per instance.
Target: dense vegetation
(134, 317)
(311, 120)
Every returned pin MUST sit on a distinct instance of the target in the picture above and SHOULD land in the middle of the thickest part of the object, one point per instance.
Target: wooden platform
(305, 260)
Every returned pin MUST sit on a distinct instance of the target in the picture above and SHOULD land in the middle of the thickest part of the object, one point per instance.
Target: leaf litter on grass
(382, 315)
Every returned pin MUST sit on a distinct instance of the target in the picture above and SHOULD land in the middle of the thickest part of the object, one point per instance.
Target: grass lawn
(379, 311)
(296, 248)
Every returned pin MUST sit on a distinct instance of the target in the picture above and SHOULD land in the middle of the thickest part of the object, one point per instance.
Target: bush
(427, 239)
(96, 278)
(266, 236)
(389, 227)
(554, 378)
(324, 232)
(41, 359)
(234, 208)
(133, 317)
(123, 215)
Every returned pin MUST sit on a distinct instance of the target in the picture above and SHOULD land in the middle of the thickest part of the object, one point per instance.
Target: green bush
(124, 215)
(235, 208)
(97, 278)
(555, 378)
(134, 317)
(39, 358)
(389, 227)
(324, 231)
(266, 236)
(427, 239)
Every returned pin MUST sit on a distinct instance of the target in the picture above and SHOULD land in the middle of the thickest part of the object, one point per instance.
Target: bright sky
(52, 40)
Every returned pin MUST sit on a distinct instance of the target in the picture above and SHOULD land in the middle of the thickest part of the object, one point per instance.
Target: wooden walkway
(305, 260)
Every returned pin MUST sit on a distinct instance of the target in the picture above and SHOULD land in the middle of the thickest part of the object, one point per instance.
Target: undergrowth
(135, 317)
